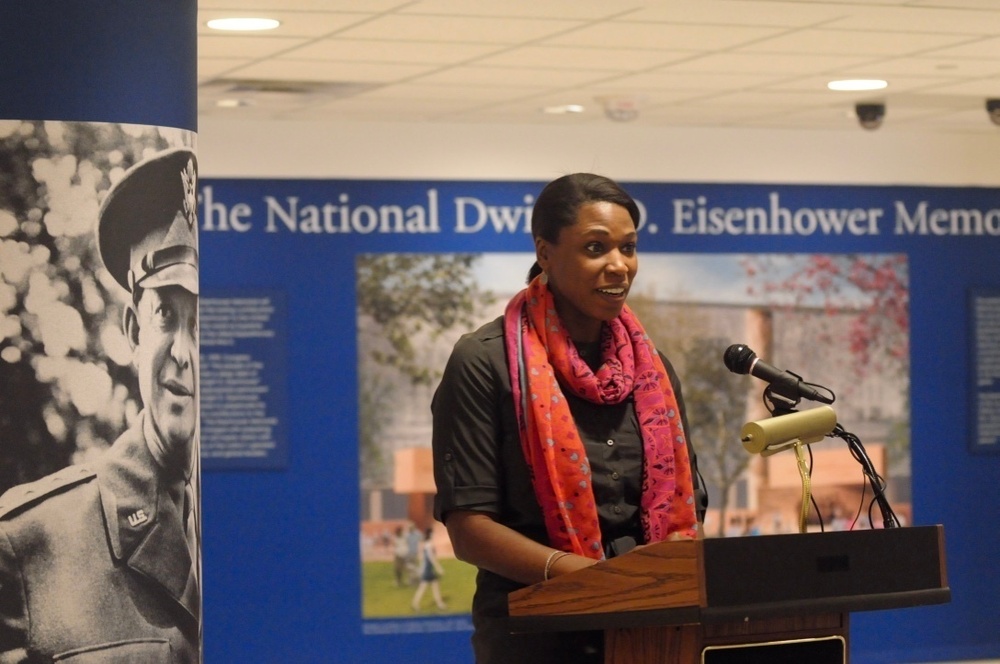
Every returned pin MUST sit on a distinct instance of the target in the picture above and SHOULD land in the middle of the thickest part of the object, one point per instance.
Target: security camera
(870, 116)
(621, 108)
(993, 110)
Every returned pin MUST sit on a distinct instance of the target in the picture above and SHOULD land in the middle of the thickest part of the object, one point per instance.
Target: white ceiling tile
(576, 57)
(210, 67)
(765, 63)
(853, 3)
(382, 106)
(987, 48)
(739, 12)
(476, 94)
(642, 99)
(458, 29)
(852, 42)
(579, 9)
(730, 63)
(313, 70)
(915, 20)
(230, 46)
(778, 100)
(663, 36)
(957, 4)
(954, 68)
(358, 50)
(694, 81)
(529, 115)
(509, 76)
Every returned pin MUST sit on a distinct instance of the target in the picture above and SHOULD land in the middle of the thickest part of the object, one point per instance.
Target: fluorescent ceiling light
(243, 24)
(857, 84)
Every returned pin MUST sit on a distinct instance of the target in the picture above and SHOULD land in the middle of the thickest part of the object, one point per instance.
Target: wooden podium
(770, 598)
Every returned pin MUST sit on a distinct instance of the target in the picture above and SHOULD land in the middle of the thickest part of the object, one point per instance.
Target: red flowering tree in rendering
(874, 287)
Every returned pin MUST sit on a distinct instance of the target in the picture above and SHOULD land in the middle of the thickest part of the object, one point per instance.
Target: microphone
(740, 359)
(772, 435)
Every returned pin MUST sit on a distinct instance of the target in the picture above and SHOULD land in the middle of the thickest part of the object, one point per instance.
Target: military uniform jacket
(95, 566)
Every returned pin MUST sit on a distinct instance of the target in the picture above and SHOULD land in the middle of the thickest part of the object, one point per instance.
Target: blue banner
(868, 288)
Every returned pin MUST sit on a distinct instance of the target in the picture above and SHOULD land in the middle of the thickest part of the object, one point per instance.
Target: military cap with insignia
(146, 230)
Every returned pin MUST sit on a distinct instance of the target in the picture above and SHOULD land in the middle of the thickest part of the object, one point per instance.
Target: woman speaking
(559, 435)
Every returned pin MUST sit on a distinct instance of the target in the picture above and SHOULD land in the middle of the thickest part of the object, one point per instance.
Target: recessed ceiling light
(243, 24)
(856, 84)
(233, 103)
(563, 109)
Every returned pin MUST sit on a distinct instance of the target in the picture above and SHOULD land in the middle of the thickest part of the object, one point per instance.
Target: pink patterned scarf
(543, 360)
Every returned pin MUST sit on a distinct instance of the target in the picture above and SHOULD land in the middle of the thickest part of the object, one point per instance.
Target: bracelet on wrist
(551, 560)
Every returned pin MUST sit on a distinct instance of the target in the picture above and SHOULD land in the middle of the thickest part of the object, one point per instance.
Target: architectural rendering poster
(863, 290)
(99, 463)
(694, 306)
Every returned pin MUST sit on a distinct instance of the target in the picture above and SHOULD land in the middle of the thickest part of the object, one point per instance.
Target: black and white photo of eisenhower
(99, 471)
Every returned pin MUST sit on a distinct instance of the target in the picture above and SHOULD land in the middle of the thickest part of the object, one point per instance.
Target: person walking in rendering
(430, 573)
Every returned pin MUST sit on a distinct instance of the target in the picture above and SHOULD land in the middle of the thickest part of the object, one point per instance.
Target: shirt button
(615, 475)
(618, 510)
(610, 442)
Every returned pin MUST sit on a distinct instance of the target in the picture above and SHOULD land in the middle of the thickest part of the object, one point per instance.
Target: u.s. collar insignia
(189, 179)
(137, 518)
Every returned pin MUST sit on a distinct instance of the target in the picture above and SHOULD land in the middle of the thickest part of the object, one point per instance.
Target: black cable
(812, 496)
(877, 482)
(861, 503)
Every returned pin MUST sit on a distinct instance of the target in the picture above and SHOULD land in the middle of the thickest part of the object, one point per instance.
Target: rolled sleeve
(467, 430)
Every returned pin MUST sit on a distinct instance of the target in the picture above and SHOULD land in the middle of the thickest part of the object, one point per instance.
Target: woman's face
(591, 267)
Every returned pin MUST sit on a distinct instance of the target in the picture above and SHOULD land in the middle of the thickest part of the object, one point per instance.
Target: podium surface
(681, 597)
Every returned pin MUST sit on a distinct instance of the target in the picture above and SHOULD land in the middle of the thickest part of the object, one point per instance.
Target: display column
(100, 500)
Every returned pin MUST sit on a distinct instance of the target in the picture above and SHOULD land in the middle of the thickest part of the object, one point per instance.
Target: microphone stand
(779, 402)
(782, 402)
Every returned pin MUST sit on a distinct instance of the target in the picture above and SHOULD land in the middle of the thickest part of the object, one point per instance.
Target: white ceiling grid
(705, 63)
